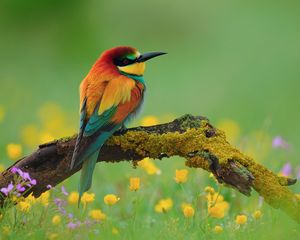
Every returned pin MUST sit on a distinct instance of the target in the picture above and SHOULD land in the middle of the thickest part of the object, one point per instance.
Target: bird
(111, 94)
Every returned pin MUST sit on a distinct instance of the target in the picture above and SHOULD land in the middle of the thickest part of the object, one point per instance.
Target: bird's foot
(123, 129)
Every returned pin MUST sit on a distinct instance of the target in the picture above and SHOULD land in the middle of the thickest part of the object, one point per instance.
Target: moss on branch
(192, 138)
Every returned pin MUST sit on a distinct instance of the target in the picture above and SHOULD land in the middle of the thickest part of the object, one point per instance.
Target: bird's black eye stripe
(123, 61)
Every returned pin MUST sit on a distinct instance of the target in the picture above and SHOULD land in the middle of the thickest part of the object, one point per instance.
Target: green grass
(134, 215)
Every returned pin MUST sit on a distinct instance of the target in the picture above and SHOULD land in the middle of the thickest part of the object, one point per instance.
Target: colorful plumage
(112, 91)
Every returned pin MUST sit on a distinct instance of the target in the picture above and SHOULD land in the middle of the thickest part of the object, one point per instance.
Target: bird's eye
(125, 61)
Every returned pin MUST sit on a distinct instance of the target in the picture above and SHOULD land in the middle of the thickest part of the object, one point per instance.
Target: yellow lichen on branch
(194, 145)
(192, 138)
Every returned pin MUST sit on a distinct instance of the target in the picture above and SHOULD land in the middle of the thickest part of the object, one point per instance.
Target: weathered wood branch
(192, 138)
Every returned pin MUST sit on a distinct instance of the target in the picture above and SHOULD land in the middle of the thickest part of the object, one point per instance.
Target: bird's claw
(123, 129)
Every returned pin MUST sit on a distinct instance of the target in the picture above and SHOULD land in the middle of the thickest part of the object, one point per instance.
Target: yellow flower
(209, 189)
(134, 184)
(2, 113)
(14, 151)
(188, 210)
(46, 137)
(58, 119)
(53, 236)
(149, 166)
(231, 129)
(164, 205)
(6, 230)
(115, 231)
(88, 198)
(73, 198)
(149, 121)
(241, 219)
(56, 220)
(262, 150)
(216, 205)
(257, 214)
(44, 198)
(24, 206)
(181, 175)
(216, 212)
(31, 199)
(16, 199)
(111, 199)
(214, 198)
(218, 229)
(2, 168)
(30, 135)
(97, 215)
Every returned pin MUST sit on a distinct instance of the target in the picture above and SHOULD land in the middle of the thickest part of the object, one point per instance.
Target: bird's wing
(120, 98)
(88, 101)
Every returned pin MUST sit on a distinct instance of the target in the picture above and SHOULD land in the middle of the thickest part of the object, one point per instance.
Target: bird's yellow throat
(134, 69)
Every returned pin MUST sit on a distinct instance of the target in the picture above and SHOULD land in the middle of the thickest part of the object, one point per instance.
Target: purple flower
(25, 176)
(49, 186)
(14, 169)
(60, 202)
(33, 181)
(8, 189)
(70, 215)
(279, 142)
(286, 169)
(298, 172)
(62, 210)
(64, 191)
(20, 188)
(72, 225)
(20, 172)
(260, 201)
(88, 222)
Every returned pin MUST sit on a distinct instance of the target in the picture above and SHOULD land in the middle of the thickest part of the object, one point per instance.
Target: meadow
(233, 62)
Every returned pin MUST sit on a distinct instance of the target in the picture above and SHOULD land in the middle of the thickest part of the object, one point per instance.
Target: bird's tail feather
(86, 176)
(89, 159)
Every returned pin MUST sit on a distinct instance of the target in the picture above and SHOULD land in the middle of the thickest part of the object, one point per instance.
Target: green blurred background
(231, 59)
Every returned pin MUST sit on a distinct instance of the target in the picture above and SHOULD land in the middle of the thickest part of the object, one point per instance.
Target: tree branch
(192, 138)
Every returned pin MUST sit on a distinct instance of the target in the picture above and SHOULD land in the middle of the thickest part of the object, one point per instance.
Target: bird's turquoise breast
(135, 77)
(140, 81)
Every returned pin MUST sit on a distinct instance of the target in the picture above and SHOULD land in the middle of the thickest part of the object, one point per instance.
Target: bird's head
(128, 60)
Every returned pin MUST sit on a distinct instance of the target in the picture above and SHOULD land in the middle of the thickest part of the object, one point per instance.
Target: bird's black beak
(146, 56)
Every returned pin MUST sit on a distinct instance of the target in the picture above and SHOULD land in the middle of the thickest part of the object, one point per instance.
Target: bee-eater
(110, 94)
